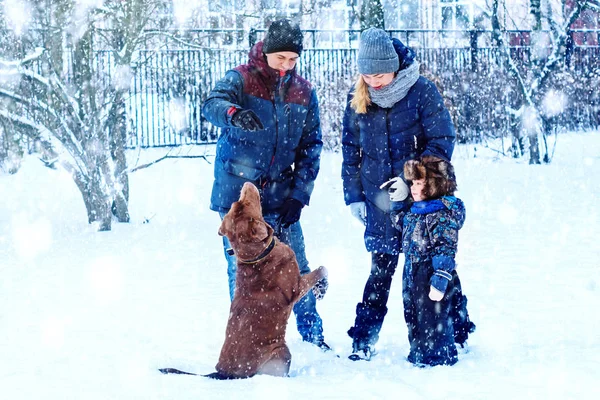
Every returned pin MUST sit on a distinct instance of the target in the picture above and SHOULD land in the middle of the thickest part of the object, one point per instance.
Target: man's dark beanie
(283, 35)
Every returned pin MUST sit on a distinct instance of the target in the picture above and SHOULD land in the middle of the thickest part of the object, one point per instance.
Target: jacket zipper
(273, 99)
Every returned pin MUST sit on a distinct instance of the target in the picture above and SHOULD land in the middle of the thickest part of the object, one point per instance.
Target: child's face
(416, 189)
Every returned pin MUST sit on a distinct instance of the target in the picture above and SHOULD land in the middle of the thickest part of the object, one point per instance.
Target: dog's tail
(167, 371)
(215, 375)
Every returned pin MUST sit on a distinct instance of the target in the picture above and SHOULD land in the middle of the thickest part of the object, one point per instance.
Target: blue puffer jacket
(430, 235)
(376, 145)
(283, 158)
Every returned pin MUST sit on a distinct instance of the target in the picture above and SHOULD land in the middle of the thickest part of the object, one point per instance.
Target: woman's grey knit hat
(376, 54)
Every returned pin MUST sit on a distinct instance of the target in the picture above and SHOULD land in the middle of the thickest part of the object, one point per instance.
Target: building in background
(440, 23)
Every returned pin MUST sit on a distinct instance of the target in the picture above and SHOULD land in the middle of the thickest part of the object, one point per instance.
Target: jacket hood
(406, 55)
(456, 208)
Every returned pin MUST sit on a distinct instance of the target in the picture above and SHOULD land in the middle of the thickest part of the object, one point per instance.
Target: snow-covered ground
(87, 315)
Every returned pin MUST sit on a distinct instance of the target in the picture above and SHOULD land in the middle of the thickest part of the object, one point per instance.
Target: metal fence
(239, 39)
(170, 86)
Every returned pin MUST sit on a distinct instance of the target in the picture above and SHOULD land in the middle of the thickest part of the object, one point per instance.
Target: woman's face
(377, 81)
(282, 61)
(416, 189)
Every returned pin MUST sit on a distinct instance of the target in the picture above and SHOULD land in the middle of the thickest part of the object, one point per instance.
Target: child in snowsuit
(430, 286)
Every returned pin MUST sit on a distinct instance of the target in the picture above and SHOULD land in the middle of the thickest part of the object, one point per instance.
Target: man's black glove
(289, 213)
(246, 120)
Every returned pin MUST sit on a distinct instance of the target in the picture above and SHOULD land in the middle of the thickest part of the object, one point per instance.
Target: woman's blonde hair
(360, 97)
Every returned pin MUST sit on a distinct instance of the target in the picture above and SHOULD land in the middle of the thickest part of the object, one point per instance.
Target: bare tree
(535, 8)
(63, 99)
(532, 81)
(371, 15)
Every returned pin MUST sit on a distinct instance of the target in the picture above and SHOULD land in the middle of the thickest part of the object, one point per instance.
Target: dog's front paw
(320, 288)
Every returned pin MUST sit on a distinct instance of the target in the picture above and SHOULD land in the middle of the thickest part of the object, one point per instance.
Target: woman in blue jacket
(270, 136)
(393, 115)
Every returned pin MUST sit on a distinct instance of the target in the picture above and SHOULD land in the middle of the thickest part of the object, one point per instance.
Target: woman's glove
(359, 211)
(397, 189)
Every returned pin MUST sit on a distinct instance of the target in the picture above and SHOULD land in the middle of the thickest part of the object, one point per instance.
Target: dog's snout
(247, 189)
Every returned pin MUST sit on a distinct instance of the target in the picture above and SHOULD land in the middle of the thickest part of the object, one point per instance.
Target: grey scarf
(390, 94)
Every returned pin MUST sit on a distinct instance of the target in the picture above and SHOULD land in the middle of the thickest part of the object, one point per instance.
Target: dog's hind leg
(219, 376)
(278, 364)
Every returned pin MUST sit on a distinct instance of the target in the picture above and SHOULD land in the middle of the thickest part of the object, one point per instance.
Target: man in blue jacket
(270, 136)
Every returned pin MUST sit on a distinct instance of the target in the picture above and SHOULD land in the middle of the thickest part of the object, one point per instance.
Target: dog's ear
(224, 228)
(259, 229)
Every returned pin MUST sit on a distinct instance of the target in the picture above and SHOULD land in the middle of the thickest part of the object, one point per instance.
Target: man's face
(282, 61)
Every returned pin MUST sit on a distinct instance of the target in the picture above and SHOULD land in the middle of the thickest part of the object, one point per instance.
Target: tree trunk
(97, 203)
(535, 8)
(118, 138)
(546, 131)
(534, 148)
(518, 141)
(120, 205)
(371, 15)
(518, 146)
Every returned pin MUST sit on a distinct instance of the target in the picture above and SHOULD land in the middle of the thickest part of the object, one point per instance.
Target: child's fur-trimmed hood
(439, 176)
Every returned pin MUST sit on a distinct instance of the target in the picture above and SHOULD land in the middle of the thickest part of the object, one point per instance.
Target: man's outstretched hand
(246, 120)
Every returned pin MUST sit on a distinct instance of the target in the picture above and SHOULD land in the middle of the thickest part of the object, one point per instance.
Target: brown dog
(268, 284)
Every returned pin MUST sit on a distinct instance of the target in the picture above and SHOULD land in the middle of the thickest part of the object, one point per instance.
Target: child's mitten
(435, 294)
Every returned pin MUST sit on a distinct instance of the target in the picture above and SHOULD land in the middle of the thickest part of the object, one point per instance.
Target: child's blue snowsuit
(429, 242)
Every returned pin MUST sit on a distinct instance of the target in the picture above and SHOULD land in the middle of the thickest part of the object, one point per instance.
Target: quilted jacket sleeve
(308, 154)
(227, 93)
(352, 155)
(443, 231)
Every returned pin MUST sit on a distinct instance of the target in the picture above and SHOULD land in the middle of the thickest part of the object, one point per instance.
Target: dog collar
(261, 255)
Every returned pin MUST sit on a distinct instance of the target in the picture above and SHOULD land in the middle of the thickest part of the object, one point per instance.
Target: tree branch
(72, 105)
(25, 60)
(559, 42)
(153, 33)
(593, 5)
(71, 142)
(500, 42)
(41, 132)
(159, 160)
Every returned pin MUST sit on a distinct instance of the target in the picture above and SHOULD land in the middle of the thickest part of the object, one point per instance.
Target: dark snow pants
(372, 309)
(430, 323)
(460, 316)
